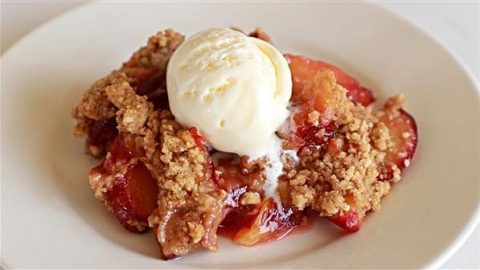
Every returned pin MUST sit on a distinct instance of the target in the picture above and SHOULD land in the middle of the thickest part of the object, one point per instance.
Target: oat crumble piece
(249, 198)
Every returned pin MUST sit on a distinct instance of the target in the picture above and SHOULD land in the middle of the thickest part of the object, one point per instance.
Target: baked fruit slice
(249, 219)
(125, 186)
(403, 131)
(337, 139)
(260, 223)
(350, 220)
(316, 98)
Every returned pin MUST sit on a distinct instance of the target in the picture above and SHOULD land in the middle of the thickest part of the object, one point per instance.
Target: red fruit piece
(335, 146)
(250, 225)
(119, 155)
(102, 131)
(304, 69)
(133, 197)
(199, 140)
(202, 143)
(348, 221)
(360, 95)
(403, 131)
(315, 135)
(351, 220)
(132, 193)
(315, 108)
(231, 180)
(155, 88)
(318, 95)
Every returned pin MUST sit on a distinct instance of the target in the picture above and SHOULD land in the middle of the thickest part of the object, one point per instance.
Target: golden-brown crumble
(189, 204)
(250, 198)
(323, 180)
(146, 62)
(186, 194)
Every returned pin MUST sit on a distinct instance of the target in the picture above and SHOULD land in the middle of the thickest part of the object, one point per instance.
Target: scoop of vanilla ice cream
(233, 88)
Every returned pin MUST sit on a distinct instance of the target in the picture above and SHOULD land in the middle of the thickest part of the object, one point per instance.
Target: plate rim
(474, 220)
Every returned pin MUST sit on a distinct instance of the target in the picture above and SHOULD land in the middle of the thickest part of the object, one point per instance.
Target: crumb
(313, 117)
(250, 198)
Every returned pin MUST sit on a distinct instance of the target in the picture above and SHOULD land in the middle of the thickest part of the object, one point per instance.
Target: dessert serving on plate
(221, 134)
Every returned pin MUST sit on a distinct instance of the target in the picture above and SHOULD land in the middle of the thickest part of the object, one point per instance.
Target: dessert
(221, 134)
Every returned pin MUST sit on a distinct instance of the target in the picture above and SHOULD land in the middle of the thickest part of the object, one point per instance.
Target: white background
(455, 25)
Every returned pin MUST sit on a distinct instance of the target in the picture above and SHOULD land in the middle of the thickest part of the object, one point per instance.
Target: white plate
(51, 219)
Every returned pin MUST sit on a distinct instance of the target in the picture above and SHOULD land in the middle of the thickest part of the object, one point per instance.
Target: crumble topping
(145, 63)
(324, 180)
(190, 207)
(189, 204)
(100, 184)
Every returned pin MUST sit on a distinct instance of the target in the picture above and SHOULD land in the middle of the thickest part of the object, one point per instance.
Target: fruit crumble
(220, 134)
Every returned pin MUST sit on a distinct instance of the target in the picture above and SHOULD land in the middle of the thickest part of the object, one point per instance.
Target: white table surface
(455, 25)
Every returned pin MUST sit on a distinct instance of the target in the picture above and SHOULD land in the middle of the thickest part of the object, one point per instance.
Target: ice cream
(233, 88)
